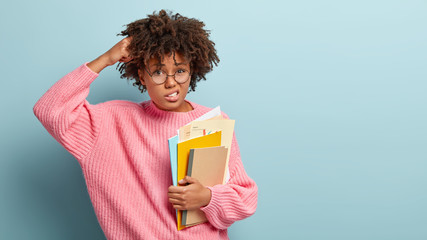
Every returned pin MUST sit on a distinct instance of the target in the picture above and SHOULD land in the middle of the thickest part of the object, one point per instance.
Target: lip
(173, 98)
(177, 91)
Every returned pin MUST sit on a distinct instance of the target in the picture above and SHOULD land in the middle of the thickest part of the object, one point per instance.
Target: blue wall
(329, 97)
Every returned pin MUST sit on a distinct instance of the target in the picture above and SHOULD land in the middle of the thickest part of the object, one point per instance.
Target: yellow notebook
(211, 140)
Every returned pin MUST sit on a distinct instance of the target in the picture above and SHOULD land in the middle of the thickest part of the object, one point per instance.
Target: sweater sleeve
(235, 200)
(66, 114)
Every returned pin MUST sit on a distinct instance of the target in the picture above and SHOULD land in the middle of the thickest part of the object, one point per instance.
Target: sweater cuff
(88, 70)
(79, 79)
(213, 210)
(213, 204)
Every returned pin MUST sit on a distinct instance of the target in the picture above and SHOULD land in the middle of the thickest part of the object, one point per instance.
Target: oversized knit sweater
(122, 149)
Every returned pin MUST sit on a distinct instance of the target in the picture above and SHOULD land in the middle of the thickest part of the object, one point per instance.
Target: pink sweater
(122, 149)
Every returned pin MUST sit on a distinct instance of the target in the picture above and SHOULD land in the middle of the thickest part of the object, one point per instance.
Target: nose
(170, 81)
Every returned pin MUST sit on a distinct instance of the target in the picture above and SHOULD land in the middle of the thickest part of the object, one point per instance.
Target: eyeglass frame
(167, 75)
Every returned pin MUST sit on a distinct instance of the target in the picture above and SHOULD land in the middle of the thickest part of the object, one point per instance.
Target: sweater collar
(181, 118)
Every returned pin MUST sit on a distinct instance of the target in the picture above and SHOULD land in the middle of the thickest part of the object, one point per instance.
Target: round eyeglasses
(159, 76)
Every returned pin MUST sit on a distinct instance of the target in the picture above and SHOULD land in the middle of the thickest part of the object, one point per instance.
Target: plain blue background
(329, 97)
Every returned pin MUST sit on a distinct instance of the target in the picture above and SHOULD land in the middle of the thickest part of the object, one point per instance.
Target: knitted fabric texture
(122, 149)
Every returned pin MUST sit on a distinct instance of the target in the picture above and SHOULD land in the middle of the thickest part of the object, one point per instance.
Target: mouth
(173, 97)
(173, 94)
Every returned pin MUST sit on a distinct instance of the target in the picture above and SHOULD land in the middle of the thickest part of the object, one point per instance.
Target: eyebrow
(162, 65)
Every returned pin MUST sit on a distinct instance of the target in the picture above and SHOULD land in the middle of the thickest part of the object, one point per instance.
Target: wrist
(208, 196)
(99, 63)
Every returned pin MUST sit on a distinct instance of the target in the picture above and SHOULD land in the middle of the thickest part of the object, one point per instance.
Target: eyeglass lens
(180, 76)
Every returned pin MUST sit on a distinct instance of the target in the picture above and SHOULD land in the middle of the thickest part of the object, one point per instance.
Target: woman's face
(170, 95)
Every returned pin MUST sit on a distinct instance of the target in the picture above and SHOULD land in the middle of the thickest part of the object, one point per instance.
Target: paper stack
(201, 149)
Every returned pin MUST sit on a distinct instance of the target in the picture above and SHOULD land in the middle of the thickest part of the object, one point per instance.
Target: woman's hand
(189, 197)
(118, 53)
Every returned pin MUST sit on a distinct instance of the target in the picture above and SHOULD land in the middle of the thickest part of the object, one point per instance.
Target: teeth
(173, 94)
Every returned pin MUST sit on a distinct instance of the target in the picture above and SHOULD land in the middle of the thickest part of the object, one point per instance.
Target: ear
(141, 78)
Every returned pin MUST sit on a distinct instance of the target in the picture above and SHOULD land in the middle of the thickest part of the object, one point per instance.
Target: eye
(158, 73)
(180, 71)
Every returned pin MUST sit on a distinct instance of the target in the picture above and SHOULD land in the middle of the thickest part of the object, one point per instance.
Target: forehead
(169, 59)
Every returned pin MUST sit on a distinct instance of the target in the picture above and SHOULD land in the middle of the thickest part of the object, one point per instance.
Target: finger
(176, 196)
(128, 60)
(179, 207)
(187, 180)
(125, 59)
(176, 201)
(175, 189)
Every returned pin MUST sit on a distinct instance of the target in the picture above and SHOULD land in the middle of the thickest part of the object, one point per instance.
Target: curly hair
(164, 33)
